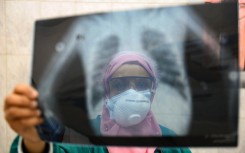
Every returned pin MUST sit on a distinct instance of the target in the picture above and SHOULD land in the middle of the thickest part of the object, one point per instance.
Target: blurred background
(16, 38)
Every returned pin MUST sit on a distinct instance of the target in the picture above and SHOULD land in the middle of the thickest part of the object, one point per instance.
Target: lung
(195, 51)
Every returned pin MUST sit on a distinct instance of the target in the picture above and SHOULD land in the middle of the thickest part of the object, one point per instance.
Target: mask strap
(152, 91)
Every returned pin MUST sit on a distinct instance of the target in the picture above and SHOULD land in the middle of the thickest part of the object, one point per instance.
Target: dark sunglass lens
(118, 85)
(143, 84)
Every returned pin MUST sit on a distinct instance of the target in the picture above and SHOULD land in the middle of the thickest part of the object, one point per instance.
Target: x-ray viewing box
(195, 51)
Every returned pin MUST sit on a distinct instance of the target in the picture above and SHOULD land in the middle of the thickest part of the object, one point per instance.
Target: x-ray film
(163, 76)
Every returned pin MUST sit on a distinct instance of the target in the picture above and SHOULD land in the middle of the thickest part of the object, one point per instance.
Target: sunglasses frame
(150, 78)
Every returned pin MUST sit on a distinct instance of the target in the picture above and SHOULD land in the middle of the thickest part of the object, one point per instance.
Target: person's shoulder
(166, 131)
(173, 150)
(95, 123)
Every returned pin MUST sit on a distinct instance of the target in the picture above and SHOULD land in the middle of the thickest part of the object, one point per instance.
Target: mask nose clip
(132, 85)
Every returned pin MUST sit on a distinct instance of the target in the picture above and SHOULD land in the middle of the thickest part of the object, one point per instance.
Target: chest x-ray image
(149, 77)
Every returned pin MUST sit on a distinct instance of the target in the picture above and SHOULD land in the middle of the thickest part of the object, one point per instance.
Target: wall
(16, 30)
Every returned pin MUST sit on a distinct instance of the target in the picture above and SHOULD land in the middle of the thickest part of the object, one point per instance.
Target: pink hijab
(149, 125)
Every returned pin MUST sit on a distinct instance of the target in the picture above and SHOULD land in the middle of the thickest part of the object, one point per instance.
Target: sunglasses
(121, 84)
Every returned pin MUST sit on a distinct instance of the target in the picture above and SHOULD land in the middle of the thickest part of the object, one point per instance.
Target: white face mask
(129, 107)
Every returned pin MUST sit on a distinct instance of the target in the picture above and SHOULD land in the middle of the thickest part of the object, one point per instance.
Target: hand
(22, 115)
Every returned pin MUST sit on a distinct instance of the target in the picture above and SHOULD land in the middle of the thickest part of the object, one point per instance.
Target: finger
(18, 113)
(30, 122)
(14, 100)
(26, 90)
(21, 124)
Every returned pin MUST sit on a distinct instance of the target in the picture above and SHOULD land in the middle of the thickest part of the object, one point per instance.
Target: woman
(129, 86)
